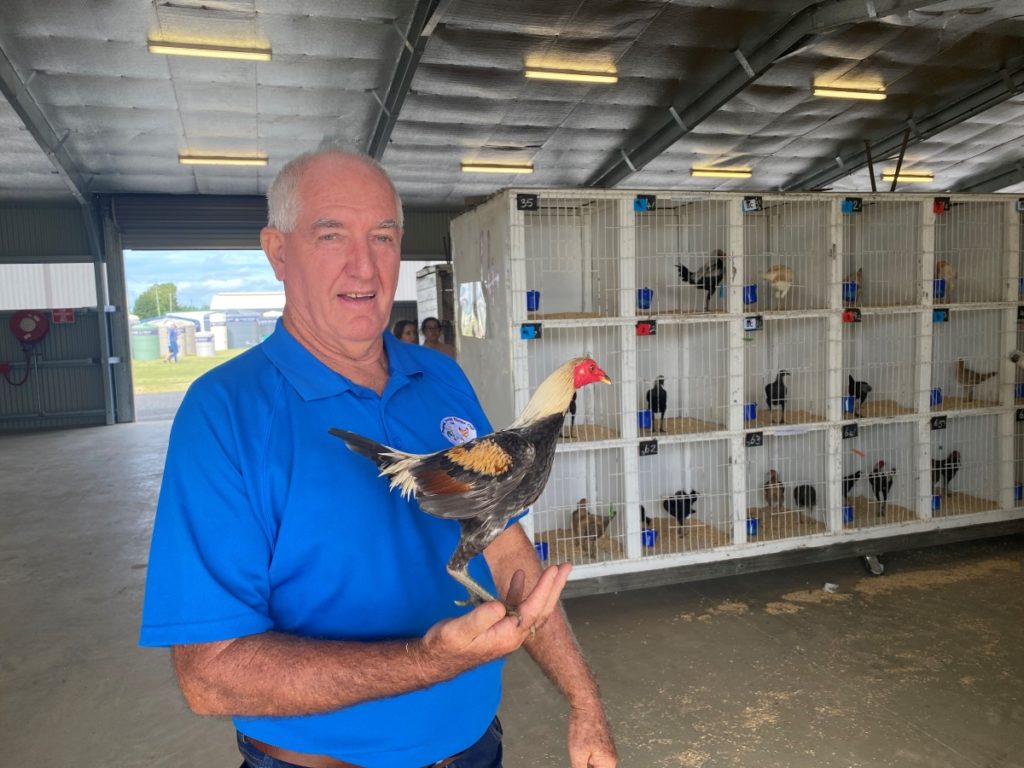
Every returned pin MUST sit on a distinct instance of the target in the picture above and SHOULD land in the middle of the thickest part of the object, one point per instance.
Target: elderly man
(297, 593)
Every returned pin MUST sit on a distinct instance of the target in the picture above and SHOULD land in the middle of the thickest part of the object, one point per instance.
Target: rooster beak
(604, 379)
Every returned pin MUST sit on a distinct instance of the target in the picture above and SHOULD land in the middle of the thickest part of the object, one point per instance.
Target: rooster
(945, 470)
(588, 528)
(680, 505)
(946, 271)
(707, 277)
(859, 390)
(774, 492)
(486, 481)
(805, 496)
(856, 279)
(775, 393)
(881, 480)
(969, 379)
(781, 279)
(849, 481)
(657, 400)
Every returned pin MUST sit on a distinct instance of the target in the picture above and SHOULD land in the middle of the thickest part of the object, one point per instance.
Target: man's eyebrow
(327, 224)
(387, 224)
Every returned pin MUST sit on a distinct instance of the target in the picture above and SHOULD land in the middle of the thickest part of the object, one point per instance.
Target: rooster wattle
(485, 482)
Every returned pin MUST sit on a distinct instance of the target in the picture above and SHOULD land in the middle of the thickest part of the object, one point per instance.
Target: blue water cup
(750, 411)
(752, 524)
(1020, 286)
(849, 401)
(542, 549)
(936, 502)
(849, 292)
(532, 301)
(750, 294)
(936, 397)
(1018, 390)
(643, 298)
(1018, 493)
(649, 536)
(847, 514)
(939, 288)
(644, 419)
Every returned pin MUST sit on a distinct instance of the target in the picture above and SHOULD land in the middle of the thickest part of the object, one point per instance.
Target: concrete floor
(921, 667)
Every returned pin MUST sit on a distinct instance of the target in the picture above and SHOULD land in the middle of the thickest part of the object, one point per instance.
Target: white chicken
(781, 279)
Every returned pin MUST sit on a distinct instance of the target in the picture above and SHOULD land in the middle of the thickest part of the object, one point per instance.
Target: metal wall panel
(30, 233)
(65, 384)
(45, 286)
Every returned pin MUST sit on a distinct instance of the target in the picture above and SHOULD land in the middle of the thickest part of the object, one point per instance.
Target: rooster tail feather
(392, 463)
(364, 446)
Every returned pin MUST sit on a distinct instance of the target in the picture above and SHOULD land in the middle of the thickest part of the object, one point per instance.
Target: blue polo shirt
(267, 522)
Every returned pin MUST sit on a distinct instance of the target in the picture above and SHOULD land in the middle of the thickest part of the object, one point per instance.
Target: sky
(198, 274)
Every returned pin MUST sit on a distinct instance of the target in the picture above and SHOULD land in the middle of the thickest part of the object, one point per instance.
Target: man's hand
(590, 739)
(488, 632)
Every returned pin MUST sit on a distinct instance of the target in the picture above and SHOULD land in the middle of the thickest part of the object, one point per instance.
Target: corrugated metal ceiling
(124, 114)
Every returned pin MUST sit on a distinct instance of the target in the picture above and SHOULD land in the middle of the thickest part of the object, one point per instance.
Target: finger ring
(533, 631)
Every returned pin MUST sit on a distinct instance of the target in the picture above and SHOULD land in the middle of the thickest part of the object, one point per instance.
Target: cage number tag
(851, 315)
(753, 439)
(643, 203)
(940, 315)
(648, 447)
(1020, 414)
(752, 204)
(527, 202)
(1020, 313)
(850, 430)
(938, 422)
(1019, 205)
(941, 205)
(852, 205)
(753, 323)
(647, 328)
(529, 331)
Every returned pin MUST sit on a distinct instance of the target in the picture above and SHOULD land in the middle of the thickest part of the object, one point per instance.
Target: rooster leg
(707, 300)
(473, 540)
(572, 426)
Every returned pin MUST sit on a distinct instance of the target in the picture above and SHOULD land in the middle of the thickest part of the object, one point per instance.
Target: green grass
(158, 376)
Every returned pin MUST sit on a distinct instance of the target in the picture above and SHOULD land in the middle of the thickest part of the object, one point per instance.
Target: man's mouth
(357, 296)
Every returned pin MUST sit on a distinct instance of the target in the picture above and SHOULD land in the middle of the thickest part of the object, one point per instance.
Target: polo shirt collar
(313, 380)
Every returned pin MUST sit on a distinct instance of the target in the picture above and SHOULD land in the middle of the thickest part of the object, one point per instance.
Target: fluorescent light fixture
(721, 173)
(211, 51)
(870, 94)
(909, 176)
(570, 75)
(221, 160)
(497, 168)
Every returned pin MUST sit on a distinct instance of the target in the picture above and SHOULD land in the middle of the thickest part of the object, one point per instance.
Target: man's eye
(385, 238)
(329, 236)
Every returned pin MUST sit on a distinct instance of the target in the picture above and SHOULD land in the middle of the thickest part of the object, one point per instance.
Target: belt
(305, 760)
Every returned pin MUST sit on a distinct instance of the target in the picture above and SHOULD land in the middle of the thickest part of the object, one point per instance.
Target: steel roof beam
(993, 180)
(1006, 84)
(424, 20)
(741, 70)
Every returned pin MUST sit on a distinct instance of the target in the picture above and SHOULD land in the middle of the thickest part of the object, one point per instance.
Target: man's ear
(272, 241)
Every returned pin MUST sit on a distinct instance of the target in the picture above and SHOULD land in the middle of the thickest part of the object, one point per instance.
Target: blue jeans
(485, 753)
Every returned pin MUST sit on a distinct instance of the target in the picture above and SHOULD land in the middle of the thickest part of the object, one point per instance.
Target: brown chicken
(946, 271)
(774, 492)
(486, 481)
(969, 379)
(587, 529)
(781, 279)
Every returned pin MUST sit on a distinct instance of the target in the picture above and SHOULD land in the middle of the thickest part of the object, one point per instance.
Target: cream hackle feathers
(552, 396)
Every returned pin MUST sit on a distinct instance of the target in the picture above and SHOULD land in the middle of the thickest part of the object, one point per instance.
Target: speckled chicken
(587, 529)
(486, 481)
(774, 492)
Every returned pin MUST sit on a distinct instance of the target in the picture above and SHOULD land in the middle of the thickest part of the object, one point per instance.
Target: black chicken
(849, 481)
(805, 496)
(881, 479)
(647, 522)
(657, 400)
(680, 505)
(859, 390)
(945, 470)
(707, 277)
(485, 481)
(775, 393)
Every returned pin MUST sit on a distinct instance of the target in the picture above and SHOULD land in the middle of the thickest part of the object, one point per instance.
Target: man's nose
(360, 260)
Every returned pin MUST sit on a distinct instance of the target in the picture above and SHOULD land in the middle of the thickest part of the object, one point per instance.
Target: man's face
(339, 264)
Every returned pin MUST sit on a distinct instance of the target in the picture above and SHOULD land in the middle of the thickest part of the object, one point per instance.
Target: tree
(157, 300)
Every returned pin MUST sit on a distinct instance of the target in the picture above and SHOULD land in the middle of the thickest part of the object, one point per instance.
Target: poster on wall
(472, 310)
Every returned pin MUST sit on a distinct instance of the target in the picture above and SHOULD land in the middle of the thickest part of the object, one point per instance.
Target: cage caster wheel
(873, 564)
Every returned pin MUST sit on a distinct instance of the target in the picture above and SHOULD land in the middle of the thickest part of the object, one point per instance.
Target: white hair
(283, 194)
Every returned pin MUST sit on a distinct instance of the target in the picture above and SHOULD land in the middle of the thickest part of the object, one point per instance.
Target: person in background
(298, 594)
(431, 328)
(405, 330)
(172, 344)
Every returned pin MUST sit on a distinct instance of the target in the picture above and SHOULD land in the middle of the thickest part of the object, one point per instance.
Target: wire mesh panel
(785, 479)
(786, 363)
(787, 246)
(879, 366)
(572, 258)
(684, 498)
(579, 516)
(965, 466)
(678, 245)
(879, 484)
(881, 247)
(966, 352)
(682, 382)
(969, 256)
(595, 414)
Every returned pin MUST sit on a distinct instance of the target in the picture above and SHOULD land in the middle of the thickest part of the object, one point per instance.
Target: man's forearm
(556, 652)
(279, 675)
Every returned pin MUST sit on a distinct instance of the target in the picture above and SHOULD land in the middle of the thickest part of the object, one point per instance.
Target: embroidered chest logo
(456, 430)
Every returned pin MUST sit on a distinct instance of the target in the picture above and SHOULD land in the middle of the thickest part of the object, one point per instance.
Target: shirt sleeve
(208, 576)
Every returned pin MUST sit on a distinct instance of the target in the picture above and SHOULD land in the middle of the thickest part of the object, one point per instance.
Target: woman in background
(431, 328)
(405, 330)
